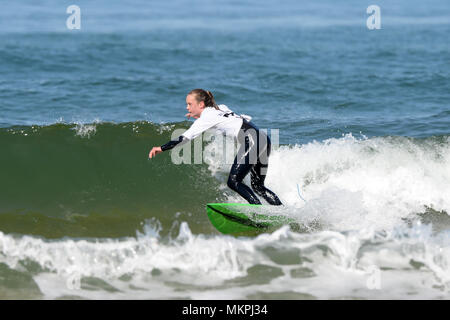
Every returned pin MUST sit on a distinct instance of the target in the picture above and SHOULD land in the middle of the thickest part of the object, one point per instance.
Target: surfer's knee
(232, 182)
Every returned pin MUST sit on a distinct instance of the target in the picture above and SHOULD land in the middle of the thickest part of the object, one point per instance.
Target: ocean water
(361, 118)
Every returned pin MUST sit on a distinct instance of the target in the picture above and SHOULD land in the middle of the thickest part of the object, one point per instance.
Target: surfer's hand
(154, 152)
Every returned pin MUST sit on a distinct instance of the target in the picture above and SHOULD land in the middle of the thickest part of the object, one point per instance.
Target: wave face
(84, 213)
(94, 180)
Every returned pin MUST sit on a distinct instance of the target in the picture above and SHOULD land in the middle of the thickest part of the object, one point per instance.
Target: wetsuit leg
(258, 175)
(240, 168)
(257, 180)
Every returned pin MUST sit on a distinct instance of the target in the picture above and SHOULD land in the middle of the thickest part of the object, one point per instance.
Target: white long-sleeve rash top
(223, 120)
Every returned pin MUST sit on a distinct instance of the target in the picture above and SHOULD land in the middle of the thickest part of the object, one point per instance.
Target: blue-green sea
(360, 117)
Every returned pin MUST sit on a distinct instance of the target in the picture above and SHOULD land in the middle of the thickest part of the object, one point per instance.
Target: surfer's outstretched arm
(169, 145)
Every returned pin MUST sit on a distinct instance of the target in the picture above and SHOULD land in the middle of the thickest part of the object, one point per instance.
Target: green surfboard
(242, 218)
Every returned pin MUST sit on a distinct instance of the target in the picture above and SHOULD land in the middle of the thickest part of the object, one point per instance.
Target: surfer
(252, 155)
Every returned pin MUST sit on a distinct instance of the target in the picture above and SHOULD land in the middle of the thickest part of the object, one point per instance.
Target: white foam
(200, 267)
(352, 183)
(85, 130)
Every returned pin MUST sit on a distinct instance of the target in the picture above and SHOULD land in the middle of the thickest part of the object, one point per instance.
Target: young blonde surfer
(252, 155)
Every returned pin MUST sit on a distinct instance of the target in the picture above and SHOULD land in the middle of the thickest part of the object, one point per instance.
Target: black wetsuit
(252, 157)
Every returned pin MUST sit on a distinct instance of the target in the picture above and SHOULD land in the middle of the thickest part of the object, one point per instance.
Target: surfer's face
(194, 107)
